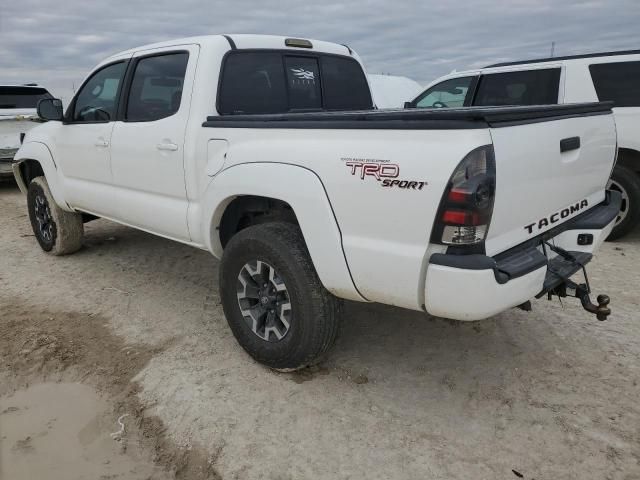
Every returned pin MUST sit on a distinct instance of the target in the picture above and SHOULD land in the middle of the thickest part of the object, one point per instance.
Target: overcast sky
(56, 43)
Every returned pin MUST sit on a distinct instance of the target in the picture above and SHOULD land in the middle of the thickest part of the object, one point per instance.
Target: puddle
(62, 431)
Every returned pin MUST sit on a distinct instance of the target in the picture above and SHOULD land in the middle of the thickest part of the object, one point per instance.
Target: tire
(626, 181)
(277, 251)
(58, 232)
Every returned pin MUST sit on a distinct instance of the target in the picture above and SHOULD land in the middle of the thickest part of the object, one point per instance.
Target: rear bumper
(6, 163)
(473, 287)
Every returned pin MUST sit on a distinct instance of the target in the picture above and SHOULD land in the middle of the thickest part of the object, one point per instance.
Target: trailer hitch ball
(602, 310)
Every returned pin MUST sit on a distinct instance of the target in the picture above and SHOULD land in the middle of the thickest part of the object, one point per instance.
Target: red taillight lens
(467, 204)
(460, 217)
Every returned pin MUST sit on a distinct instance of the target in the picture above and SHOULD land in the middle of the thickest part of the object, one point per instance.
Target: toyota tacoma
(268, 152)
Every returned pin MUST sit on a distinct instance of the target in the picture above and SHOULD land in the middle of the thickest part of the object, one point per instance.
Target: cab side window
(156, 88)
(618, 82)
(447, 94)
(97, 100)
(530, 87)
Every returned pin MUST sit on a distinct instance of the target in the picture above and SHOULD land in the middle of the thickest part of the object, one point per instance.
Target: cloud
(57, 43)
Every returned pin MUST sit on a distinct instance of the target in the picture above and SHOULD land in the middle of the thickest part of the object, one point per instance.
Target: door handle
(101, 142)
(172, 147)
(571, 143)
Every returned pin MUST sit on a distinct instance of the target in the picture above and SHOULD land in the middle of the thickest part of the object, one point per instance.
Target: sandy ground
(546, 394)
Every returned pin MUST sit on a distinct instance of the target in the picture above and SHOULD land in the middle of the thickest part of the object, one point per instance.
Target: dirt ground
(132, 325)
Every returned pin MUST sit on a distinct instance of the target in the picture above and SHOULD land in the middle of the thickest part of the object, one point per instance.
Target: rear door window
(450, 93)
(156, 88)
(22, 97)
(618, 82)
(280, 82)
(530, 87)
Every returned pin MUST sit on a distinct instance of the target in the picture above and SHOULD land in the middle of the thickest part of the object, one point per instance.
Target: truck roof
(245, 41)
(535, 63)
(566, 57)
(22, 85)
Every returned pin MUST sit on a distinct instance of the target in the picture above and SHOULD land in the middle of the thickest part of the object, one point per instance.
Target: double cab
(268, 152)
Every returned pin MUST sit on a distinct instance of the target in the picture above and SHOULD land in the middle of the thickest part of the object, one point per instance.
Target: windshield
(21, 97)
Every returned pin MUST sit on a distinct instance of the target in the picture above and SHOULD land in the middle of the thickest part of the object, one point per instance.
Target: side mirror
(408, 105)
(50, 109)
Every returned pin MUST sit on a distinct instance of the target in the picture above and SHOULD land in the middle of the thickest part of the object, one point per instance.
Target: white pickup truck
(266, 152)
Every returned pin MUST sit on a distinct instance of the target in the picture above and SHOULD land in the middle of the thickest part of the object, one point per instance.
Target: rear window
(279, 82)
(22, 97)
(303, 80)
(618, 82)
(532, 87)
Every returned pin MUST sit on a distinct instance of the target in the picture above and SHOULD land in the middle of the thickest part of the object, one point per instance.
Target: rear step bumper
(473, 287)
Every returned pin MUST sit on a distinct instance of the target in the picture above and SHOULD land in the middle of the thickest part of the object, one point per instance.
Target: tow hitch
(561, 286)
(581, 291)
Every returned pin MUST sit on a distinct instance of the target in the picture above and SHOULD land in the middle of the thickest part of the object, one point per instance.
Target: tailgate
(548, 170)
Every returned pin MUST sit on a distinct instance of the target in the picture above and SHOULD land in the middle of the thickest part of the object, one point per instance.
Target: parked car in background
(392, 91)
(267, 152)
(609, 76)
(17, 111)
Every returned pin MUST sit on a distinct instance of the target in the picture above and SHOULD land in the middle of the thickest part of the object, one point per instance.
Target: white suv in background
(610, 76)
(17, 111)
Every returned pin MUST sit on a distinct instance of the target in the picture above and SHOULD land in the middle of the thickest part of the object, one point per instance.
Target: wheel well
(249, 210)
(30, 169)
(629, 158)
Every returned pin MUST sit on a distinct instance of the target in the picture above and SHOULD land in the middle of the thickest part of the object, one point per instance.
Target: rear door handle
(101, 142)
(568, 144)
(172, 147)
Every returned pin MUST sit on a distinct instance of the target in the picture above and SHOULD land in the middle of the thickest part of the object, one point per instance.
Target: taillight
(467, 204)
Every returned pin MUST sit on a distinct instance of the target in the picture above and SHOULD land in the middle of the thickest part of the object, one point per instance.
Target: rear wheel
(58, 232)
(627, 182)
(273, 299)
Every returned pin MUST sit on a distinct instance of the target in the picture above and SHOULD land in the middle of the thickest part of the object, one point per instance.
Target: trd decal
(384, 172)
(556, 217)
(376, 170)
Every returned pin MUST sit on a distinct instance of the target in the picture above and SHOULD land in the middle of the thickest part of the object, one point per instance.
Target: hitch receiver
(580, 291)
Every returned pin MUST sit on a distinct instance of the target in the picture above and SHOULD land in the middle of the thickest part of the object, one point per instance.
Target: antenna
(553, 48)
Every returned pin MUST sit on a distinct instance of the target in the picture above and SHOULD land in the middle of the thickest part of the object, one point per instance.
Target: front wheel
(627, 182)
(58, 232)
(272, 297)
